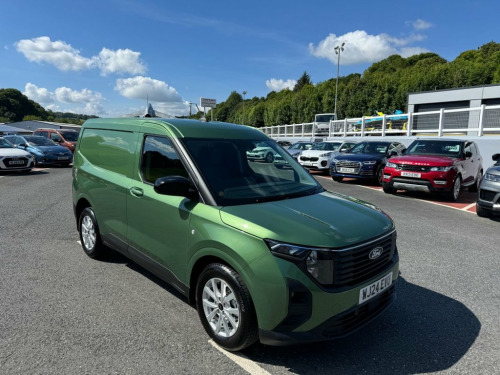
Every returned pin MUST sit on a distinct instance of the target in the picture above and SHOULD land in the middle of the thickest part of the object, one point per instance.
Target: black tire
(380, 175)
(89, 234)
(337, 179)
(475, 187)
(245, 332)
(454, 192)
(388, 189)
(269, 158)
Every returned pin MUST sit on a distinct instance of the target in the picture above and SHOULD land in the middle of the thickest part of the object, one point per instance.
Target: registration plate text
(411, 174)
(370, 291)
(346, 170)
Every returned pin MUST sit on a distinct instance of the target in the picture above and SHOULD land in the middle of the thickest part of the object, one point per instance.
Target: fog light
(440, 182)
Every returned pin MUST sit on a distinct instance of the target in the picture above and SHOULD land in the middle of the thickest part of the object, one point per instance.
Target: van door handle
(136, 192)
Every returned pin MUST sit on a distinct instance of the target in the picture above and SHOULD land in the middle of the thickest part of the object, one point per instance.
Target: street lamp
(244, 93)
(338, 49)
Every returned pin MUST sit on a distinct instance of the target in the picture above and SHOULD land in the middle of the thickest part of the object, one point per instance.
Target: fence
(480, 121)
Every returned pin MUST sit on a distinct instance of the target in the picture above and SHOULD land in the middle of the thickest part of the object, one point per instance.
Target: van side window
(159, 159)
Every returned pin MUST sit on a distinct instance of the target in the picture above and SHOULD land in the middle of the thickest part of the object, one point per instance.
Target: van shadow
(422, 332)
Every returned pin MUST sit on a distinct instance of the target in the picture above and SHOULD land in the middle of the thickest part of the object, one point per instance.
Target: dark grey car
(488, 199)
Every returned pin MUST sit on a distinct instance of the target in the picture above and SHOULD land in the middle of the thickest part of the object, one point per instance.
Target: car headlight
(492, 177)
(440, 169)
(370, 162)
(325, 154)
(315, 261)
(335, 160)
(391, 165)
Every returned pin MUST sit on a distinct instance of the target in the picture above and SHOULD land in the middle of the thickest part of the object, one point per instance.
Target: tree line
(384, 87)
(15, 106)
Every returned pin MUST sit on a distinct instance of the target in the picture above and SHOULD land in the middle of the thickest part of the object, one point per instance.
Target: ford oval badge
(376, 252)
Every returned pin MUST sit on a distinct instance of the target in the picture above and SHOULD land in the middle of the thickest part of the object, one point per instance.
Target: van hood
(323, 220)
(425, 160)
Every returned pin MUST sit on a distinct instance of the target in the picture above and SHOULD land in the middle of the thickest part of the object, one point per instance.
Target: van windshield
(241, 171)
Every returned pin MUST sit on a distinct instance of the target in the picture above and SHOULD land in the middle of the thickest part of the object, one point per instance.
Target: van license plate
(346, 170)
(374, 289)
(411, 174)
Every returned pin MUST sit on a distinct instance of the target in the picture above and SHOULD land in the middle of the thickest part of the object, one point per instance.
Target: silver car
(488, 199)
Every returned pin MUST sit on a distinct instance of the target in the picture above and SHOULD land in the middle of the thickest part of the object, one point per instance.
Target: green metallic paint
(322, 220)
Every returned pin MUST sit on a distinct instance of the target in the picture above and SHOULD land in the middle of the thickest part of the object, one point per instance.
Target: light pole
(338, 49)
(244, 93)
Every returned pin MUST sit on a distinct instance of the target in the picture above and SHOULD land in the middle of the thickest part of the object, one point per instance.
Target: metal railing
(479, 121)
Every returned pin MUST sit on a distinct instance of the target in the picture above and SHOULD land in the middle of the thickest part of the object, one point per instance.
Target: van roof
(181, 128)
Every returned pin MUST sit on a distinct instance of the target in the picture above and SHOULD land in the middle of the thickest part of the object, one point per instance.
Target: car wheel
(337, 179)
(481, 212)
(388, 189)
(269, 158)
(475, 187)
(226, 308)
(455, 189)
(380, 174)
(89, 234)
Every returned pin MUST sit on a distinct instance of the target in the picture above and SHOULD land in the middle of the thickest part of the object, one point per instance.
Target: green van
(258, 246)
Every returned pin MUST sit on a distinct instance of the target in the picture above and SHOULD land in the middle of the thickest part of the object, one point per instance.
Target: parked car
(488, 200)
(45, 151)
(365, 160)
(14, 159)
(262, 152)
(298, 147)
(65, 137)
(319, 156)
(284, 144)
(435, 166)
(264, 253)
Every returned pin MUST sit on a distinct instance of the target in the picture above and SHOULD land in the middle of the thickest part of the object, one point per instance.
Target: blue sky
(106, 57)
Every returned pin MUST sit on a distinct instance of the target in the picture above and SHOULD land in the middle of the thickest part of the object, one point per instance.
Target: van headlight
(317, 262)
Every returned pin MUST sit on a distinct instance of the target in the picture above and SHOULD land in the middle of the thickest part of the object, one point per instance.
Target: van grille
(353, 266)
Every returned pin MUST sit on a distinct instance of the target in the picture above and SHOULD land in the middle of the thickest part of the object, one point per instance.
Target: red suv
(64, 137)
(435, 166)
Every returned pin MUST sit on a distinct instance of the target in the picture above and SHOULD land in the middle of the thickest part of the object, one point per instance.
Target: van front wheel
(225, 307)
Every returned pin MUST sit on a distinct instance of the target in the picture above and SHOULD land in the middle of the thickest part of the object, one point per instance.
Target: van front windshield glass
(242, 171)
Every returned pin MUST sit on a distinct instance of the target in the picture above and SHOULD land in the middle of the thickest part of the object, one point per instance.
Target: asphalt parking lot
(64, 313)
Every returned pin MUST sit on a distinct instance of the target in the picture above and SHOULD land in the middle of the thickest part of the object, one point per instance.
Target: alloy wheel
(88, 233)
(220, 307)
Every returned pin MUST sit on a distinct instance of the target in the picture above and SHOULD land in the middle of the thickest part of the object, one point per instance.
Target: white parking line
(244, 362)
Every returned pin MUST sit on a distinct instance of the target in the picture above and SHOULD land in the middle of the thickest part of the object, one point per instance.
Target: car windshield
(235, 178)
(5, 143)
(370, 148)
(326, 146)
(435, 148)
(70, 136)
(301, 146)
(35, 140)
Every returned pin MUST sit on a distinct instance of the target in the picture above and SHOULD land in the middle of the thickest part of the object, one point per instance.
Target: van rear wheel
(89, 234)
(225, 307)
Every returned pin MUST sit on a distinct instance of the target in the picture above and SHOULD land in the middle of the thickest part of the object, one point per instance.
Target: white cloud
(361, 47)
(38, 94)
(278, 84)
(58, 53)
(64, 57)
(420, 24)
(120, 61)
(90, 101)
(67, 95)
(166, 98)
(145, 87)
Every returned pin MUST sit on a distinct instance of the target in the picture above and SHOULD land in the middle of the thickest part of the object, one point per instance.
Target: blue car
(366, 160)
(45, 151)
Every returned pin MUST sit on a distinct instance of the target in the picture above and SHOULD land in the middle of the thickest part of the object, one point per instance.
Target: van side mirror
(173, 185)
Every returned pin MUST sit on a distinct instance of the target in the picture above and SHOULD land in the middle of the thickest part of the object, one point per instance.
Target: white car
(320, 155)
(14, 159)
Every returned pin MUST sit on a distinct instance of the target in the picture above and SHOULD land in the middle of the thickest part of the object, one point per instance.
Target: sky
(110, 57)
